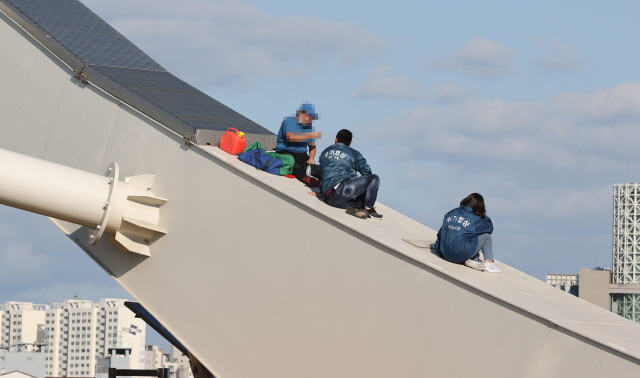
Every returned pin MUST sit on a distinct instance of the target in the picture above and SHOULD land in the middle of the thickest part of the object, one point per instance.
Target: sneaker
(477, 265)
(311, 181)
(491, 268)
(358, 213)
(374, 214)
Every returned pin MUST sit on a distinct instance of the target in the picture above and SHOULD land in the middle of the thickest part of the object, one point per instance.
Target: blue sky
(533, 104)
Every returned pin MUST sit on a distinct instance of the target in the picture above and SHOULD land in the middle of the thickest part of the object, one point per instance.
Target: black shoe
(374, 214)
(358, 213)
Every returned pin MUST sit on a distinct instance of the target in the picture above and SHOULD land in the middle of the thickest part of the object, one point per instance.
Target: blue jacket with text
(340, 162)
(458, 237)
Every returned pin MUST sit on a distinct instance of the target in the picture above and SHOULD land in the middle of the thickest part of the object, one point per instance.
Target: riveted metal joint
(81, 76)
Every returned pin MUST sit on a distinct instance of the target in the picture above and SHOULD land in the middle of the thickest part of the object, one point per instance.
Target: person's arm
(302, 137)
(484, 225)
(312, 153)
(361, 164)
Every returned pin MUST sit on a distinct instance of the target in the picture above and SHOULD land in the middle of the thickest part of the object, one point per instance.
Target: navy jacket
(340, 162)
(458, 237)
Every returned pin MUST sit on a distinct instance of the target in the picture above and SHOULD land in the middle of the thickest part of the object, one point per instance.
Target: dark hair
(344, 136)
(476, 203)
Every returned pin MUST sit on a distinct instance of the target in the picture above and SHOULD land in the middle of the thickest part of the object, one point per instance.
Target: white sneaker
(477, 265)
(491, 268)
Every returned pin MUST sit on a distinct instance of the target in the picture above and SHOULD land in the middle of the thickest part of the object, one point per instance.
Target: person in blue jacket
(347, 181)
(296, 134)
(465, 232)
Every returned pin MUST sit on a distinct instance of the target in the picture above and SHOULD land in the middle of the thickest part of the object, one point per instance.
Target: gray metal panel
(85, 34)
(84, 41)
(41, 35)
(181, 100)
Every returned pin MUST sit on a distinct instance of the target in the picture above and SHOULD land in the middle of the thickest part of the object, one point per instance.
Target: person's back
(340, 162)
(465, 232)
(458, 237)
(347, 181)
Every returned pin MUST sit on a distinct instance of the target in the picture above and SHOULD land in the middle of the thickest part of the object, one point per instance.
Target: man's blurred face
(304, 118)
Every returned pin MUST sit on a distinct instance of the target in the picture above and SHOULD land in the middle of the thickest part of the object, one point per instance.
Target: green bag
(287, 160)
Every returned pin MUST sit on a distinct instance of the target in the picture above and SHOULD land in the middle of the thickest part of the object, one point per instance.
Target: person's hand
(311, 161)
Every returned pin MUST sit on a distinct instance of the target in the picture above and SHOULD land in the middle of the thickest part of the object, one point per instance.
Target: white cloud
(478, 57)
(560, 57)
(451, 93)
(566, 131)
(229, 42)
(379, 84)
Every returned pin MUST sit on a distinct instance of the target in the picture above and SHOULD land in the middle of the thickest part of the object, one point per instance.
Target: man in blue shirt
(294, 137)
(347, 181)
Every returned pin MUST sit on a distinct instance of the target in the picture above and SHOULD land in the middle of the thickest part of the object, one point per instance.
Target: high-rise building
(564, 282)
(153, 357)
(75, 333)
(618, 289)
(626, 250)
(184, 365)
(22, 323)
(626, 234)
(175, 361)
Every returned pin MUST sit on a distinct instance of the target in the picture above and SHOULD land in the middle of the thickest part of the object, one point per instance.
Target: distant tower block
(626, 234)
(626, 249)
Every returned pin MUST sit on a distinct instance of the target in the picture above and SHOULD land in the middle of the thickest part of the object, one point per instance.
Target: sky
(535, 105)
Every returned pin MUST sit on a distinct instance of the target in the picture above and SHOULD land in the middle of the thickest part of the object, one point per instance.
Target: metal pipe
(128, 210)
(52, 189)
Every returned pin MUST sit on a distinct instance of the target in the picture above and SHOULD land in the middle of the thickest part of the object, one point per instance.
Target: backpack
(258, 158)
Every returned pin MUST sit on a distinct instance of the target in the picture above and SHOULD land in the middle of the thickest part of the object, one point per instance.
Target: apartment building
(175, 361)
(75, 333)
(182, 360)
(153, 357)
(22, 323)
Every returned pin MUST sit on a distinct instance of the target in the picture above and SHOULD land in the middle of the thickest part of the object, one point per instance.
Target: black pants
(300, 165)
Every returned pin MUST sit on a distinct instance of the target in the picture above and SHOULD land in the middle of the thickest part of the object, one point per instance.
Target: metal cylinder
(52, 189)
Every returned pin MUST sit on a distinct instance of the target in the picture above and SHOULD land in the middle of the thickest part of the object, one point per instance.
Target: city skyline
(34, 323)
(75, 333)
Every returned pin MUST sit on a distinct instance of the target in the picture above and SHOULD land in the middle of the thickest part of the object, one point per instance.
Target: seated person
(294, 137)
(347, 181)
(465, 232)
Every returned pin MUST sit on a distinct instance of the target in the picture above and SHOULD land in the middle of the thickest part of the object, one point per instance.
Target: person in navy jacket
(465, 232)
(347, 181)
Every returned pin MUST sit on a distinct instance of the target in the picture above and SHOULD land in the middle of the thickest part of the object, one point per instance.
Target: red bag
(233, 142)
